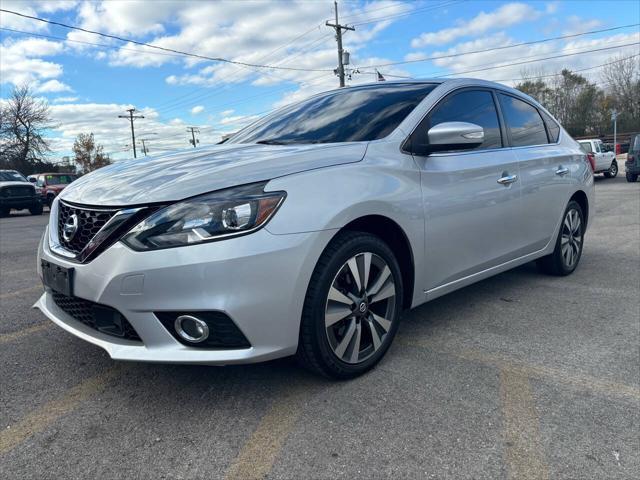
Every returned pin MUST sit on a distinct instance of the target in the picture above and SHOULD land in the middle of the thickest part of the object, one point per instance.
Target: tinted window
(635, 144)
(553, 129)
(59, 179)
(473, 106)
(523, 122)
(348, 115)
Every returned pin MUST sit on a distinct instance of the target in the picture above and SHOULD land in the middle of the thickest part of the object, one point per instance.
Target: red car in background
(52, 184)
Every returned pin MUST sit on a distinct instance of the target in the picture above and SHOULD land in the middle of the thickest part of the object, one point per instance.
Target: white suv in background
(602, 161)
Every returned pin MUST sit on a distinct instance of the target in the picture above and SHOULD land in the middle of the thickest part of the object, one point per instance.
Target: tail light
(592, 160)
(618, 149)
(630, 158)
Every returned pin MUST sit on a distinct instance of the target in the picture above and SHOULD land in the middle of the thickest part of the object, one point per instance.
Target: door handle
(507, 179)
(562, 170)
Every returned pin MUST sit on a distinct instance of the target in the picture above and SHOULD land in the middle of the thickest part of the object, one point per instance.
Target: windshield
(59, 179)
(353, 114)
(11, 177)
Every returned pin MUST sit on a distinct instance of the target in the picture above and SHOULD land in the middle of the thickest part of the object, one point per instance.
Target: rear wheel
(632, 177)
(49, 200)
(568, 249)
(613, 170)
(352, 308)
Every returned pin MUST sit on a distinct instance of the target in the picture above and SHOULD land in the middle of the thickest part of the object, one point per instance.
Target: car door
(470, 218)
(545, 169)
(601, 157)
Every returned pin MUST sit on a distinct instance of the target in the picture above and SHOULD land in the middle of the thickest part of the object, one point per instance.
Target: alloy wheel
(613, 169)
(571, 241)
(360, 307)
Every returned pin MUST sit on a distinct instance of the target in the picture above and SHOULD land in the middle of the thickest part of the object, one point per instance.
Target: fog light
(191, 329)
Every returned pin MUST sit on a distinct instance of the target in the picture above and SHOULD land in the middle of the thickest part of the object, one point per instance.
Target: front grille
(223, 333)
(89, 223)
(18, 191)
(94, 315)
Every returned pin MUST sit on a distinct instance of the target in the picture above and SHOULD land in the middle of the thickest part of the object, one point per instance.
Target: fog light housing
(191, 328)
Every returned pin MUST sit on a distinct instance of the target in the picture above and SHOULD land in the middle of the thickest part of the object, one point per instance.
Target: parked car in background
(309, 231)
(52, 184)
(603, 161)
(17, 193)
(632, 165)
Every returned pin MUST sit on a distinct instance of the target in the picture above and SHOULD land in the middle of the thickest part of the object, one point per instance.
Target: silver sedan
(311, 230)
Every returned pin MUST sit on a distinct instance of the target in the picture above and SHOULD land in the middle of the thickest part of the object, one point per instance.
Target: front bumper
(19, 203)
(258, 280)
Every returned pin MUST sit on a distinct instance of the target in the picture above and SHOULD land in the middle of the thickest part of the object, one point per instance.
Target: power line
(404, 14)
(503, 47)
(538, 60)
(158, 47)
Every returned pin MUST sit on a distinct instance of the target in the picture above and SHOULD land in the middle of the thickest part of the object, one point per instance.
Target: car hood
(14, 184)
(188, 173)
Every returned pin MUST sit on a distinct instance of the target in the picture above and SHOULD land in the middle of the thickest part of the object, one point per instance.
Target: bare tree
(24, 121)
(622, 82)
(88, 155)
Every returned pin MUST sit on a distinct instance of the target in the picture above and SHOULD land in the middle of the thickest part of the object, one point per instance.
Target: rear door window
(524, 123)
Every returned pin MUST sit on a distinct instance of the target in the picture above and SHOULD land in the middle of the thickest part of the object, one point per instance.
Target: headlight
(217, 215)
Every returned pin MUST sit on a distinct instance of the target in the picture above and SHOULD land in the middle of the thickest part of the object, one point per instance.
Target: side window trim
(406, 145)
(504, 131)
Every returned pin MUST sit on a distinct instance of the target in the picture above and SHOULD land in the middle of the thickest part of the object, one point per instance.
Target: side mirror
(32, 180)
(455, 136)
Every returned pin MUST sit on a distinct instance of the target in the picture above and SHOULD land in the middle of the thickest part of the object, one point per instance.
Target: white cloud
(19, 63)
(526, 53)
(226, 113)
(65, 99)
(114, 133)
(53, 86)
(505, 16)
(575, 24)
(197, 109)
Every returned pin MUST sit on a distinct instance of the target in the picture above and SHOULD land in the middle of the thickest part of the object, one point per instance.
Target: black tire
(314, 349)
(556, 263)
(613, 170)
(49, 199)
(36, 210)
(632, 177)
(4, 212)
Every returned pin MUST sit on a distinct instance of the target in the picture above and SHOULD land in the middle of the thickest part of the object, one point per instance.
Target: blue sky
(88, 85)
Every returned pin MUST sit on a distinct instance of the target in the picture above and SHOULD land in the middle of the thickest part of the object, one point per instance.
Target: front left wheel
(352, 307)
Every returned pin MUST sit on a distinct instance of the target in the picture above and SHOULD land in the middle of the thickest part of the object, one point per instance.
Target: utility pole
(193, 131)
(131, 118)
(339, 28)
(614, 118)
(144, 146)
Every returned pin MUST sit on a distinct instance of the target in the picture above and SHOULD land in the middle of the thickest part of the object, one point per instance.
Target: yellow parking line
(256, 458)
(44, 416)
(20, 292)
(536, 371)
(10, 337)
(524, 455)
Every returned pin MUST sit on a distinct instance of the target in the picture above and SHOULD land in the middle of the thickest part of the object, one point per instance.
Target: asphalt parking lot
(519, 376)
